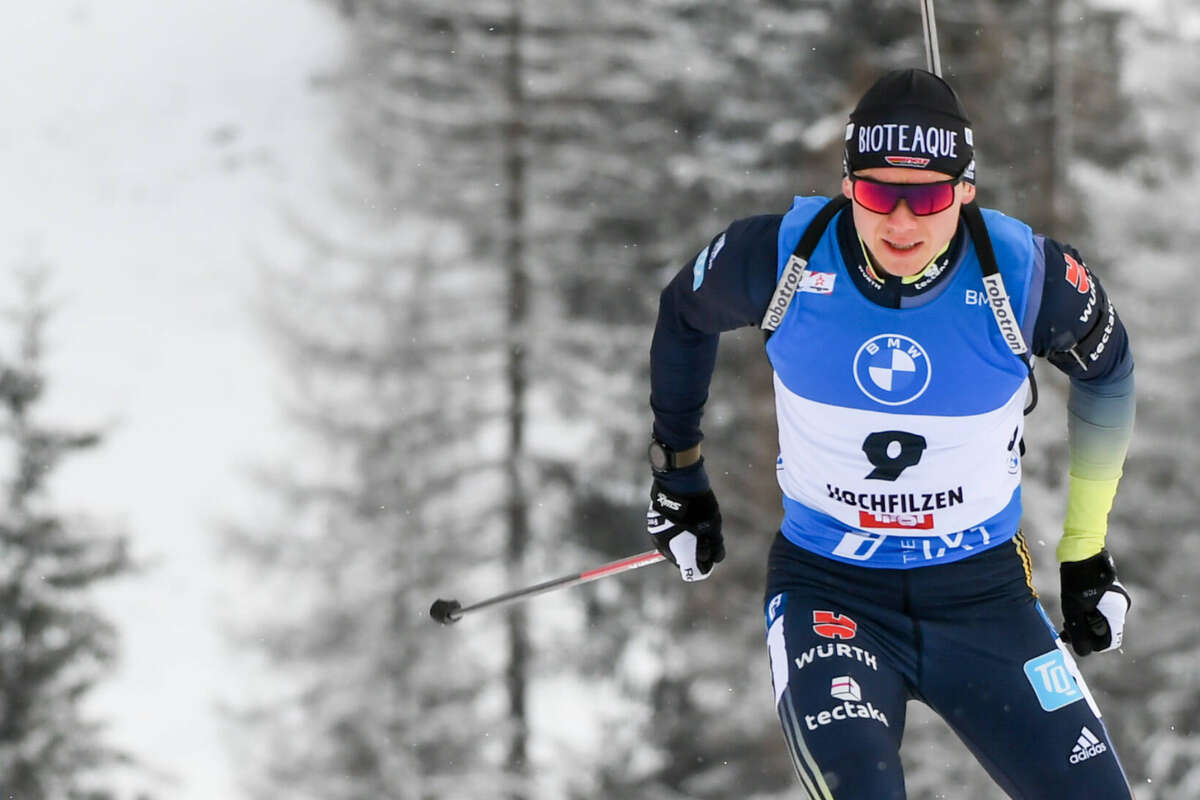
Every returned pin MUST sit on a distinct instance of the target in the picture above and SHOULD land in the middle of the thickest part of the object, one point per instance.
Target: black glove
(687, 530)
(1094, 604)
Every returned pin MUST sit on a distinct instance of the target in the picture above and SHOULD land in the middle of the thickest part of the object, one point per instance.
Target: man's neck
(889, 290)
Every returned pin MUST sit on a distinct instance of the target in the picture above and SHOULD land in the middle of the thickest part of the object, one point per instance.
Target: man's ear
(847, 189)
(968, 192)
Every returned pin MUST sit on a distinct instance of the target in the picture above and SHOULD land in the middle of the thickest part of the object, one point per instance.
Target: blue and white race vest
(899, 429)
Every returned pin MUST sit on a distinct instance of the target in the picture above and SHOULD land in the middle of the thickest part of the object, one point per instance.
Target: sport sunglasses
(922, 198)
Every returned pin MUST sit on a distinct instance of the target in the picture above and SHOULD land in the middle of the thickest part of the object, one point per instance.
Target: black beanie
(911, 118)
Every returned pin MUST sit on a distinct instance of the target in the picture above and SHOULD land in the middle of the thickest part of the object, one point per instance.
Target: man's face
(902, 243)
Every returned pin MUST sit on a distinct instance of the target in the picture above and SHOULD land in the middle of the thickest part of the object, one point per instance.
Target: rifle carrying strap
(997, 296)
(793, 273)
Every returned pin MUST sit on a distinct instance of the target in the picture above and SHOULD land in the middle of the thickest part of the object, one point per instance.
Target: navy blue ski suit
(865, 608)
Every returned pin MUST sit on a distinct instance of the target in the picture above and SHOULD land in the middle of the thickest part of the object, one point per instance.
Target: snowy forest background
(464, 317)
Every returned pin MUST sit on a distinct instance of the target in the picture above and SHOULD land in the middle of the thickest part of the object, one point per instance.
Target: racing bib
(900, 429)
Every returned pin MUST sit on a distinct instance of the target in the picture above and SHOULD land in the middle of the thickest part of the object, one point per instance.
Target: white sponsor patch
(845, 688)
(818, 282)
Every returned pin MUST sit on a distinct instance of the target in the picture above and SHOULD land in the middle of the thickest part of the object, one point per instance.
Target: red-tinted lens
(878, 197)
(923, 198)
(929, 198)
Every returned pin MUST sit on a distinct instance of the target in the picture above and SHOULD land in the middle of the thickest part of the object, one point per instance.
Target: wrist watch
(664, 459)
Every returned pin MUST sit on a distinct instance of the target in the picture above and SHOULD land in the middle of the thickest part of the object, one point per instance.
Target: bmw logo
(892, 369)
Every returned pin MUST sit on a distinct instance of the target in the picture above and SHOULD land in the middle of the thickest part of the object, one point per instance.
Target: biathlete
(902, 320)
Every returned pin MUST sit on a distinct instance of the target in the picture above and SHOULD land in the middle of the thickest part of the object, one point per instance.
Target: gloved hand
(687, 530)
(1094, 604)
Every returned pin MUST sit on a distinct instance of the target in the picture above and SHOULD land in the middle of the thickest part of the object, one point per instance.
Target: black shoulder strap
(997, 295)
(816, 228)
(793, 273)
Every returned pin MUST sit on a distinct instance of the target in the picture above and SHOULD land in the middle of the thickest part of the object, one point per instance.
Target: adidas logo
(1087, 746)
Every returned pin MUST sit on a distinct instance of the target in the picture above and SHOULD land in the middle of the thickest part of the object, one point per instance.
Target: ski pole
(449, 611)
(933, 59)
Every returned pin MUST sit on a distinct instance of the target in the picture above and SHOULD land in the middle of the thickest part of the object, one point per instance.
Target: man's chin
(901, 263)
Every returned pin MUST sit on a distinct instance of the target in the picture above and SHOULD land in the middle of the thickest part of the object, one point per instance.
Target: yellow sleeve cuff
(1086, 523)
